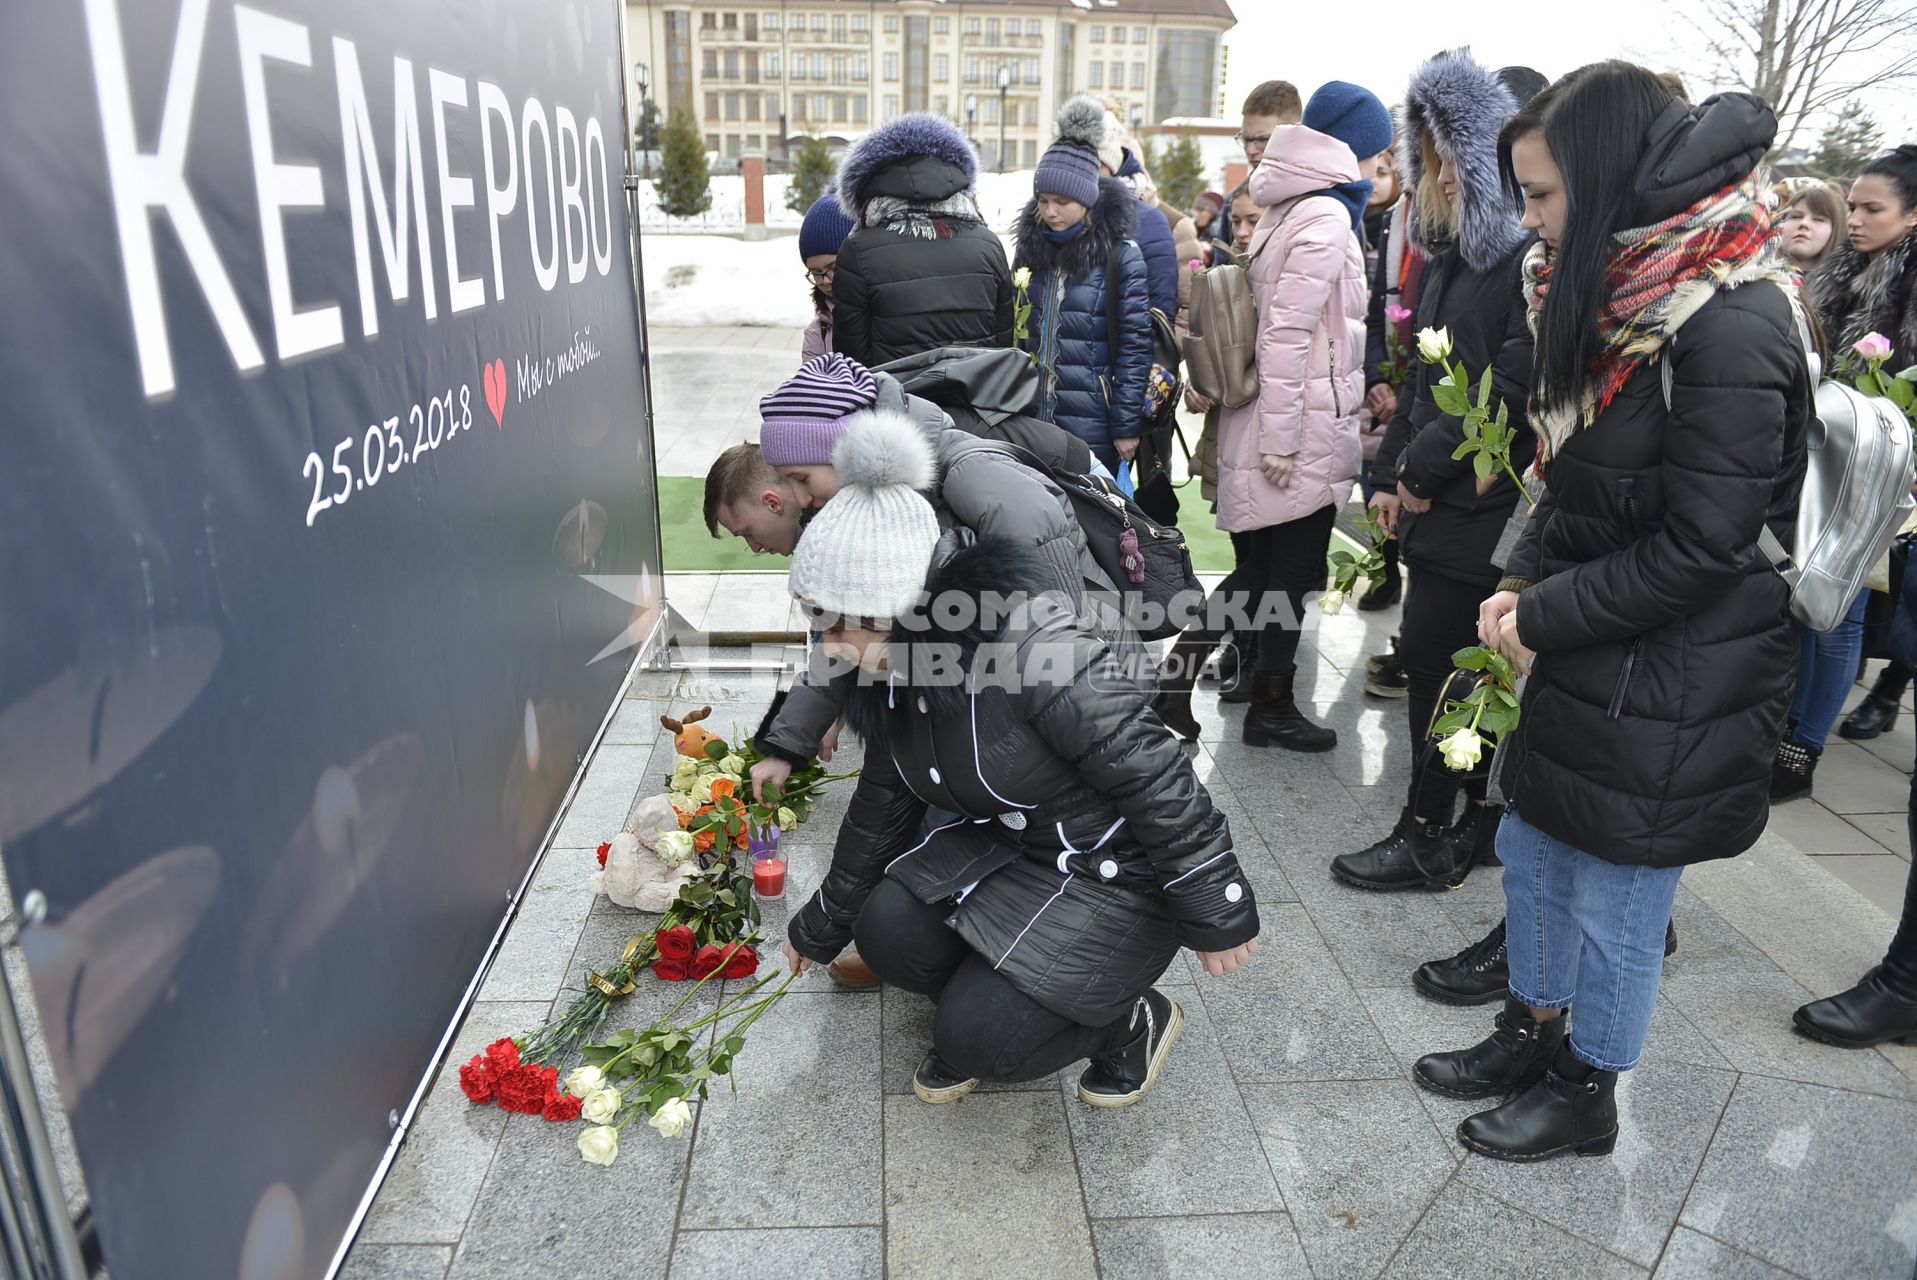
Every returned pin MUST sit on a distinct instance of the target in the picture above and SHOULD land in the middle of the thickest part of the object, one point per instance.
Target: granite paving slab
(1690, 1256)
(804, 1253)
(1242, 1246)
(1468, 1235)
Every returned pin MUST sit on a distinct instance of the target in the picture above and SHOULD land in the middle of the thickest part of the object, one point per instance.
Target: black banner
(325, 401)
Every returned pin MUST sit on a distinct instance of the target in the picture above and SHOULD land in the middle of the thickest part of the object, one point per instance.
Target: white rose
(702, 791)
(599, 1145)
(1332, 601)
(673, 847)
(672, 1118)
(1462, 749)
(582, 1081)
(684, 773)
(732, 766)
(1022, 278)
(787, 819)
(600, 1106)
(1434, 344)
(682, 802)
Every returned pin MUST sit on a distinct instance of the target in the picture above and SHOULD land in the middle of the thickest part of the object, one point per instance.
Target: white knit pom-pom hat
(864, 557)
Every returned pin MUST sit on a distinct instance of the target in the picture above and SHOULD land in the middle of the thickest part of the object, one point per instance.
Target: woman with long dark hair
(1467, 223)
(1658, 642)
(1865, 288)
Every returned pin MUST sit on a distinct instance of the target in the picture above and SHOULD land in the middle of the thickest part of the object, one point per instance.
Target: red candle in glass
(768, 877)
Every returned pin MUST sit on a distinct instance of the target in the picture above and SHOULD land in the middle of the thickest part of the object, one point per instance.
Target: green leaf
(1474, 658)
(1484, 388)
(1867, 383)
(1484, 464)
(1900, 392)
(1450, 400)
(1908, 375)
(1498, 720)
(1464, 450)
(1451, 723)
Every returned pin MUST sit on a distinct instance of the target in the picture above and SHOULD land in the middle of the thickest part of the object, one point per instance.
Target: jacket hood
(1691, 153)
(1114, 218)
(921, 157)
(993, 381)
(1463, 106)
(895, 398)
(1299, 161)
(996, 567)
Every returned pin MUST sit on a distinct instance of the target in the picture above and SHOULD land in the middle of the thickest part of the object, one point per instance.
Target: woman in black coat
(1657, 639)
(921, 269)
(1467, 222)
(1084, 852)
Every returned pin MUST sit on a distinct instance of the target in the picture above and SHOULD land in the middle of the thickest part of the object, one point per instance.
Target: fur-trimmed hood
(1114, 218)
(921, 158)
(1856, 296)
(1463, 106)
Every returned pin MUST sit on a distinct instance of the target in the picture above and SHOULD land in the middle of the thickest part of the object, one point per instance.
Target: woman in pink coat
(1288, 459)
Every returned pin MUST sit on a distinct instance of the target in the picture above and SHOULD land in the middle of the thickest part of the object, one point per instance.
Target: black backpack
(1146, 559)
(1153, 490)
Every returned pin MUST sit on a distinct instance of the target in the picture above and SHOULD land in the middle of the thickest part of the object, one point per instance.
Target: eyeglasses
(819, 275)
(1246, 139)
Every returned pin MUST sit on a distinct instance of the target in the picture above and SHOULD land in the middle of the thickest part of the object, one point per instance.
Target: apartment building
(760, 76)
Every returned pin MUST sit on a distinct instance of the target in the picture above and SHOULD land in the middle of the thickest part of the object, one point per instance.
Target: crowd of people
(1029, 845)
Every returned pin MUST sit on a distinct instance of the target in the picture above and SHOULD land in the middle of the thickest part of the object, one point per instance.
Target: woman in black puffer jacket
(1467, 222)
(1084, 853)
(1658, 640)
(921, 269)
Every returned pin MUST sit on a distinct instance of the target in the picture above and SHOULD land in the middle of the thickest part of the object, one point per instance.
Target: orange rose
(703, 842)
(723, 787)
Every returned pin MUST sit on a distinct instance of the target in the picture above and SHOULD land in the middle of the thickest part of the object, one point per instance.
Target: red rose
(604, 849)
(562, 1107)
(676, 943)
(476, 1081)
(503, 1054)
(741, 961)
(671, 970)
(709, 960)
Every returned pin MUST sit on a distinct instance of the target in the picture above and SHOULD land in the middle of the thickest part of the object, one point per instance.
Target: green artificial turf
(690, 549)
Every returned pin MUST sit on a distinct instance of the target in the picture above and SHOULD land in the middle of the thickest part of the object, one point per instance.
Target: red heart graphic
(496, 391)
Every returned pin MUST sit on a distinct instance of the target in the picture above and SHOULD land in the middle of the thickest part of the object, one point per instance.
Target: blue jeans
(1826, 670)
(1586, 935)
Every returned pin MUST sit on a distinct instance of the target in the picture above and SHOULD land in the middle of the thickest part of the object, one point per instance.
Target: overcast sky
(1377, 43)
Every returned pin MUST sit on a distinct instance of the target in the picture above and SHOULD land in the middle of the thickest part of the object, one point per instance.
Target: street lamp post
(1004, 83)
(971, 115)
(644, 81)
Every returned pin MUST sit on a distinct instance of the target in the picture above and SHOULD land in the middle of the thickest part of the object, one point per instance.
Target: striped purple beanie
(806, 416)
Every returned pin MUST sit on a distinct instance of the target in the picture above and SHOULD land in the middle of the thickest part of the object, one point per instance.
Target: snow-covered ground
(717, 279)
(1001, 196)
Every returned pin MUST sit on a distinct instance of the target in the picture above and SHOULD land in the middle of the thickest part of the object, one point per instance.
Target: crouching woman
(1084, 852)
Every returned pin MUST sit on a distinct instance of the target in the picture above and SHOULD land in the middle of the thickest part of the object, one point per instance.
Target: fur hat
(1463, 107)
(865, 555)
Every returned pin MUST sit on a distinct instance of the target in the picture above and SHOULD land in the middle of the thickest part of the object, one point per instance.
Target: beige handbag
(1221, 336)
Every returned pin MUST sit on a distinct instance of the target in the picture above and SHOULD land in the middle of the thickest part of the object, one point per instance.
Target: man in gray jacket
(980, 490)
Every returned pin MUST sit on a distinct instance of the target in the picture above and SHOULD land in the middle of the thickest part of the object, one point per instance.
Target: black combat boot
(1574, 1108)
(1478, 974)
(1515, 1057)
(1877, 713)
(1415, 854)
(1275, 720)
(1128, 1073)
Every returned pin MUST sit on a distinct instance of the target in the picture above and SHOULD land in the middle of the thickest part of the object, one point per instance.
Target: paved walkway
(1286, 1139)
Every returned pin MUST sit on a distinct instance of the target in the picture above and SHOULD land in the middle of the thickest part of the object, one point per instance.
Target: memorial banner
(329, 532)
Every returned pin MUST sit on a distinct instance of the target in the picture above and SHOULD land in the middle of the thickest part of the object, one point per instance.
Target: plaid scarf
(1657, 278)
(930, 220)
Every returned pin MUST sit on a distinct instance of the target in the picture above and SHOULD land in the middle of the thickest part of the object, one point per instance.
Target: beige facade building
(761, 75)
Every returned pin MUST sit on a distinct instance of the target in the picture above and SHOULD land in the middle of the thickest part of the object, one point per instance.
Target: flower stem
(1505, 462)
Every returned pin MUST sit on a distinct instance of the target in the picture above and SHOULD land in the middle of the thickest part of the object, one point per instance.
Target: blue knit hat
(805, 416)
(825, 228)
(1353, 115)
(1069, 166)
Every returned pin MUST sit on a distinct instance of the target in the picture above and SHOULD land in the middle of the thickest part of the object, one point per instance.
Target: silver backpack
(1856, 494)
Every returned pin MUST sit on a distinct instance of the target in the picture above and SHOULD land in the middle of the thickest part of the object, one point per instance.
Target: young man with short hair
(1271, 105)
(750, 500)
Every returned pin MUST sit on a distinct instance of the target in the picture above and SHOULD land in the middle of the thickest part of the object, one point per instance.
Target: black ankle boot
(1128, 1073)
(1175, 680)
(1474, 836)
(935, 1081)
(1516, 1055)
(1573, 1108)
(1478, 974)
(1225, 670)
(1391, 864)
(1877, 713)
(1238, 687)
(1275, 721)
(1872, 1012)
(1791, 770)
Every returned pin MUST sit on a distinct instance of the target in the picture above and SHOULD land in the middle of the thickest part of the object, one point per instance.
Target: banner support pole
(27, 1133)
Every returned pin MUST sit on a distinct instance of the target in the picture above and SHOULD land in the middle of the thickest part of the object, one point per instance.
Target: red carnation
(563, 1106)
(604, 849)
(524, 1089)
(671, 970)
(741, 961)
(476, 1081)
(503, 1054)
(709, 960)
(676, 943)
